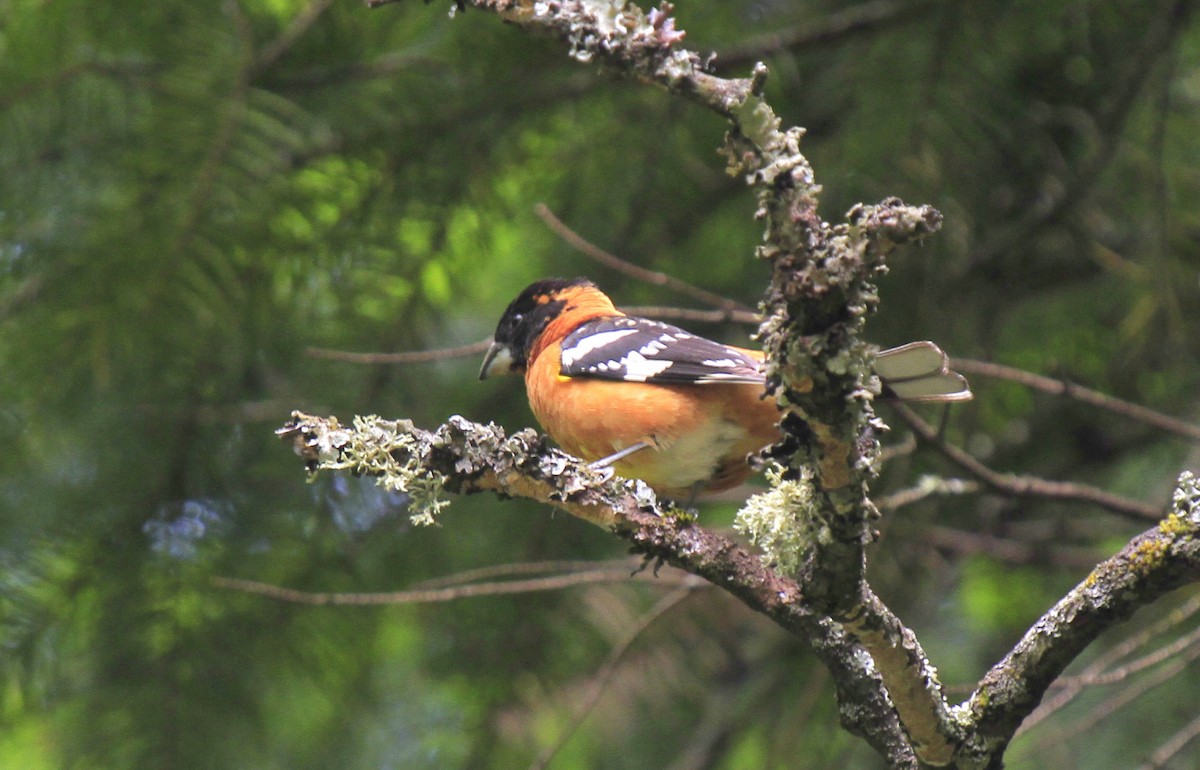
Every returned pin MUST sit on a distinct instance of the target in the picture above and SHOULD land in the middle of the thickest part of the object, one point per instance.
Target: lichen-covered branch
(884, 698)
(465, 457)
(1159, 560)
(624, 38)
(820, 294)
(911, 679)
(819, 518)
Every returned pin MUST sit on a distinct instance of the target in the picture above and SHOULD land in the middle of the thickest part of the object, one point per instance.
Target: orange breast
(701, 434)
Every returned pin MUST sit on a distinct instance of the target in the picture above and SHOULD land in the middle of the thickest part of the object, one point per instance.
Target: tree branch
(817, 365)
(652, 277)
(427, 595)
(1012, 485)
(870, 16)
(820, 370)
(1155, 562)
(1069, 389)
(466, 458)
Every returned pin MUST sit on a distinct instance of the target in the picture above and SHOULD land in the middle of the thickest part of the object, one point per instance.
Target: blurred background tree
(194, 194)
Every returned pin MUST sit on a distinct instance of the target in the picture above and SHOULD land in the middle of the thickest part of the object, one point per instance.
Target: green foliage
(996, 599)
(192, 194)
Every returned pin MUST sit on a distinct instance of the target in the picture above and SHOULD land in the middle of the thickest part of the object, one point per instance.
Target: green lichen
(681, 515)
(386, 450)
(780, 521)
(1148, 555)
(1175, 525)
(757, 121)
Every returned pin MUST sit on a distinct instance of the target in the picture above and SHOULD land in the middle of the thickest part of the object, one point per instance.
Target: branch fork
(819, 369)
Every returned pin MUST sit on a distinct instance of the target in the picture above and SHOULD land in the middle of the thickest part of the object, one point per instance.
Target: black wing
(640, 350)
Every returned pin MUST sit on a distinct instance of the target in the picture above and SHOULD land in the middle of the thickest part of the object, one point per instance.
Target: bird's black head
(523, 320)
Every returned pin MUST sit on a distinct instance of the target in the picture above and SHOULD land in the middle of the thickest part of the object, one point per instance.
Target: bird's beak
(497, 360)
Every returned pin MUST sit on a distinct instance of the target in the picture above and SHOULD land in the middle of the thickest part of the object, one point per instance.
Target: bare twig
(295, 29)
(1012, 485)
(927, 486)
(1120, 673)
(652, 277)
(601, 679)
(1072, 686)
(665, 313)
(1079, 393)
(494, 571)
(1164, 753)
(862, 17)
(432, 355)
(1009, 550)
(402, 357)
(428, 595)
(1155, 562)
(1119, 701)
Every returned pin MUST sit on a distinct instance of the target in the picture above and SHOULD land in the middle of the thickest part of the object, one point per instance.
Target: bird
(655, 402)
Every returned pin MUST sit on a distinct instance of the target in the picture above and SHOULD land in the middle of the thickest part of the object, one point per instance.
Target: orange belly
(700, 434)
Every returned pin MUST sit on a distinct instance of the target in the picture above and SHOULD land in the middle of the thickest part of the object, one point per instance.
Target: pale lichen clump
(601, 26)
(780, 521)
(389, 451)
(1186, 498)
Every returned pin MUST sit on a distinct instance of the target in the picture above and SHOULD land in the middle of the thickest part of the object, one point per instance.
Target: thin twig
(432, 355)
(664, 313)
(494, 571)
(1009, 550)
(653, 277)
(1012, 485)
(433, 595)
(905, 447)
(295, 29)
(401, 357)
(835, 27)
(1073, 685)
(1175, 744)
(1079, 393)
(600, 681)
(1120, 701)
(927, 486)
(1163, 653)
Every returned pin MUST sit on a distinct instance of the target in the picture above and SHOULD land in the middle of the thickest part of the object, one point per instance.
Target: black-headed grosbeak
(658, 403)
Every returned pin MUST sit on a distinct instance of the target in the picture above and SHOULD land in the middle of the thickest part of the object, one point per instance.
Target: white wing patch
(592, 342)
(641, 350)
(638, 368)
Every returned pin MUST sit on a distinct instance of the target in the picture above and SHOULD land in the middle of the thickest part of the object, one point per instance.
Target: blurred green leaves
(193, 193)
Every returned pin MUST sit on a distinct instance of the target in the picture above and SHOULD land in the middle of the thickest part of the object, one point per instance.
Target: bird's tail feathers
(920, 371)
